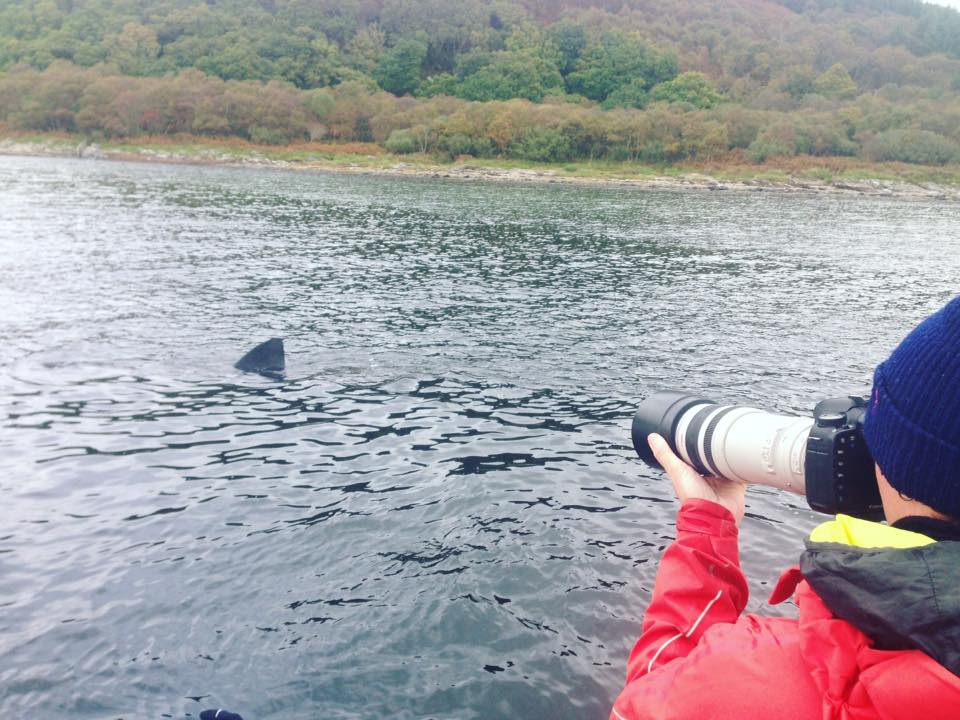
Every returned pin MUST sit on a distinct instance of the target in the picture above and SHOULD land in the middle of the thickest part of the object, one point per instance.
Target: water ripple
(438, 513)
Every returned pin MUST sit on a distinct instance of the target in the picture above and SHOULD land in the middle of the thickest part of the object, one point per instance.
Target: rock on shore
(467, 171)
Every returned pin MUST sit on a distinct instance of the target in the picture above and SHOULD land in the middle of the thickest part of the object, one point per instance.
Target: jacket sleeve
(699, 583)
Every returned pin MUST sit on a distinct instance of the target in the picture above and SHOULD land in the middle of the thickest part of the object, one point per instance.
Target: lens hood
(659, 414)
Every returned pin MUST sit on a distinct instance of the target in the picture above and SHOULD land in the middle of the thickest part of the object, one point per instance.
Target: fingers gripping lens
(729, 441)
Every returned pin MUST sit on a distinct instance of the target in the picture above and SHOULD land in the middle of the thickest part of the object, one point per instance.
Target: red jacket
(697, 658)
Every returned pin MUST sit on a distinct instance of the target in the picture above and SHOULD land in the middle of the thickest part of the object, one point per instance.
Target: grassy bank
(777, 173)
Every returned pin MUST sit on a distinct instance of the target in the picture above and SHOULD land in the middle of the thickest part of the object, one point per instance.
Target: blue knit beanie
(913, 419)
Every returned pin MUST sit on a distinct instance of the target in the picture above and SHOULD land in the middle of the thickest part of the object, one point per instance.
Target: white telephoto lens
(746, 444)
(759, 447)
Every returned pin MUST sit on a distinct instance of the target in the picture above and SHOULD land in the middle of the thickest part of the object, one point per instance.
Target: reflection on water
(438, 513)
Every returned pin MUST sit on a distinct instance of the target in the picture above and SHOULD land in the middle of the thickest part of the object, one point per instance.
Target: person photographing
(878, 632)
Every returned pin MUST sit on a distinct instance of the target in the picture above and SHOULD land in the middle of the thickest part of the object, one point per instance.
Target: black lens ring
(661, 413)
(693, 435)
(708, 439)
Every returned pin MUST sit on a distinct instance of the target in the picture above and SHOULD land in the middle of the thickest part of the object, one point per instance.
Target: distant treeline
(461, 47)
(100, 101)
(654, 80)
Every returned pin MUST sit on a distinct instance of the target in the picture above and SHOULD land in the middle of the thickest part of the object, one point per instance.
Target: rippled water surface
(438, 513)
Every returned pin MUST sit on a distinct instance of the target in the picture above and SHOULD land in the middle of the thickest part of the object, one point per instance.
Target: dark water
(438, 514)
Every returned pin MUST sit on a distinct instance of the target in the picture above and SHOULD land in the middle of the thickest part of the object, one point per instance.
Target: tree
(365, 48)
(353, 111)
(47, 101)
(541, 144)
(913, 146)
(398, 70)
(502, 77)
(448, 28)
(570, 40)
(532, 40)
(777, 139)
(836, 83)
(319, 102)
(134, 49)
(632, 95)
(702, 137)
(441, 84)
(234, 58)
(517, 74)
(693, 88)
(615, 60)
(306, 60)
(401, 142)
(799, 83)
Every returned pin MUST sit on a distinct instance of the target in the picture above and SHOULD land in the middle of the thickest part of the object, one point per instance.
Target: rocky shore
(468, 171)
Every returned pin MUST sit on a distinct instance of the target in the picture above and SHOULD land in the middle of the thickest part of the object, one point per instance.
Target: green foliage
(233, 58)
(542, 144)
(134, 49)
(319, 101)
(268, 136)
(599, 53)
(398, 70)
(570, 39)
(763, 148)
(799, 83)
(913, 146)
(469, 63)
(564, 79)
(777, 139)
(692, 88)
(365, 48)
(632, 95)
(457, 144)
(511, 74)
(825, 137)
(440, 84)
(401, 142)
(615, 60)
(304, 60)
(836, 83)
(653, 152)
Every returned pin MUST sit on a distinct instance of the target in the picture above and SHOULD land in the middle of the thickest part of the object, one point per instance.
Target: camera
(824, 457)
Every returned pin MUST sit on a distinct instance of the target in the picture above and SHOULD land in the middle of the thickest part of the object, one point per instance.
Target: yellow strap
(863, 533)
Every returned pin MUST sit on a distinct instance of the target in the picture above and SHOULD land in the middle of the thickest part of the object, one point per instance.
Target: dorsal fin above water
(267, 358)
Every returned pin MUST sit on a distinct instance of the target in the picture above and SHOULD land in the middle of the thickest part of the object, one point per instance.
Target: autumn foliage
(657, 82)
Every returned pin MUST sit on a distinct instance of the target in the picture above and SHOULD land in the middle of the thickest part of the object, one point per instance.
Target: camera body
(824, 457)
(840, 475)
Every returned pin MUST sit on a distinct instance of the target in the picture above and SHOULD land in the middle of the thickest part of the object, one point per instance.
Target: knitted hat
(913, 419)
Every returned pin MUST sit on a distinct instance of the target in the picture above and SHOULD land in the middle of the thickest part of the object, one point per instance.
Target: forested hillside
(653, 80)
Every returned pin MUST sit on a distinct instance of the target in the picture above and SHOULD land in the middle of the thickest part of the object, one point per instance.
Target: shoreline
(469, 169)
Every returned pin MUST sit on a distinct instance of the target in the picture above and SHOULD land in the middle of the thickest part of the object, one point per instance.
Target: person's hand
(689, 484)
